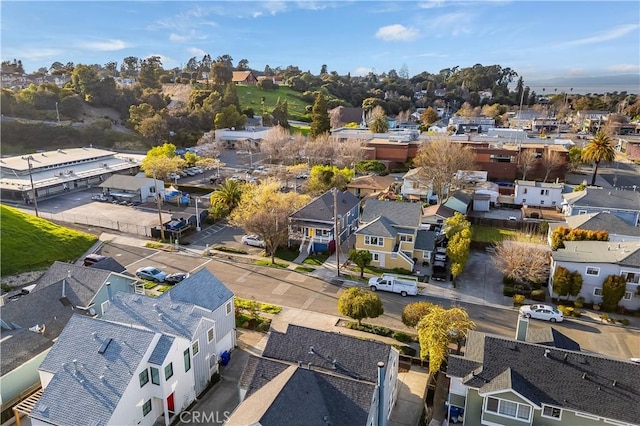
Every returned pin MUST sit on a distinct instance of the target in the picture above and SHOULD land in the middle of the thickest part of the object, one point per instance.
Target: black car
(176, 278)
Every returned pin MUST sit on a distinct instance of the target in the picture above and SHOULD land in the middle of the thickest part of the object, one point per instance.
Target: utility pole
(33, 189)
(336, 235)
(159, 205)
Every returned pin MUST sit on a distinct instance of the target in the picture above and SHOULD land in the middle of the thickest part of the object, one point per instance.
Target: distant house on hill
(244, 77)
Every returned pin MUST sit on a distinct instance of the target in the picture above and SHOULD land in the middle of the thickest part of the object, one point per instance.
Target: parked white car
(252, 240)
(541, 312)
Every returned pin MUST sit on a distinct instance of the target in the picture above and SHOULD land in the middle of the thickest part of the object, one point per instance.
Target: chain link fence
(129, 228)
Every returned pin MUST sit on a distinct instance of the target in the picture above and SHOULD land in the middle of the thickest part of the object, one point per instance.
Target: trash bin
(225, 357)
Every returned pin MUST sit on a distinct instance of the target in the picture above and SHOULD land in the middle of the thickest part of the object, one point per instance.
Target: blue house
(313, 226)
(623, 204)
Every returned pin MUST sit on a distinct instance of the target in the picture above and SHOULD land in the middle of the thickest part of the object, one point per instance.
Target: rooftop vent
(311, 350)
(546, 353)
(104, 346)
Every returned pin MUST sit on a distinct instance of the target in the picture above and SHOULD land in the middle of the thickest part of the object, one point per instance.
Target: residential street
(289, 288)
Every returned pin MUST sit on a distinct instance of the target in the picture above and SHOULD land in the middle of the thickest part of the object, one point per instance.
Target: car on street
(541, 312)
(92, 258)
(176, 278)
(252, 240)
(151, 273)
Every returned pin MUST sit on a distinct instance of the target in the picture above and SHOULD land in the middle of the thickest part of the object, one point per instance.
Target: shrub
(567, 311)
(508, 291)
(518, 299)
(613, 289)
(369, 328)
(507, 280)
(579, 303)
(539, 295)
(604, 317)
(406, 350)
(402, 337)
(625, 322)
(6, 288)
(149, 285)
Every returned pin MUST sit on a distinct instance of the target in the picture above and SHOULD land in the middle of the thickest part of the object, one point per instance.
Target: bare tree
(440, 160)
(349, 152)
(526, 161)
(295, 150)
(274, 144)
(321, 150)
(551, 161)
(521, 261)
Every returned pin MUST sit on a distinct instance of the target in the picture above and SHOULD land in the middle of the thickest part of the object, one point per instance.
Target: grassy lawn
(248, 305)
(29, 243)
(494, 235)
(287, 254)
(273, 265)
(316, 259)
(251, 97)
(304, 269)
(304, 130)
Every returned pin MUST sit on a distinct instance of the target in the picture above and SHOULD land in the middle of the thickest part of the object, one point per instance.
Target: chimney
(64, 287)
(382, 421)
(109, 295)
(521, 329)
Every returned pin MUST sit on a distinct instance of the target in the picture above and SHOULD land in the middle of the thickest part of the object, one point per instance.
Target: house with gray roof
(187, 330)
(314, 377)
(502, 381)
(595, 261)
(198, 310)
(132, 188)
(103, 373)
(415, 187)
(313, 225)
(459, 201)
(538, 194)
(389, 230)
(618, 229)
(30, 324)
(621, 203)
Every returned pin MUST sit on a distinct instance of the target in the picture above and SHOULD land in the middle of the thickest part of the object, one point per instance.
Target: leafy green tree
(371, 166)
(231, 96)
(321, 123)
(562, 281)
(221, 75)
(85, 81)
(613, 289)
(369, 104)
(362, 258)
(599, 149)
(323, 178)
(280, 114)
(439, 328)
(576, 283)
(359, 304)
(153, 129)
(228, 195)
(458, 251)
(414, 312)
(455, 224)
(229, 117)
(378, 122)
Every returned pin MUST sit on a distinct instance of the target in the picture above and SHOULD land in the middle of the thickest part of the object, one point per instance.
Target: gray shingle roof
(549, 336)
(605, 198)
(622, 253)
(77, 395)
(403, 214)
(154, 313)
(602, 222)
(380, 227)
(573, 380)
(109, 264)
(258, 372)
(161, 350)
(425, 240)
(354, 357)
(321, 208)
(125, 182)
(82, 281)
(201, 289)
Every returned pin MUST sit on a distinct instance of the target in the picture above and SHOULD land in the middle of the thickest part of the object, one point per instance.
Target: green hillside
(29, 243)
(251, 97)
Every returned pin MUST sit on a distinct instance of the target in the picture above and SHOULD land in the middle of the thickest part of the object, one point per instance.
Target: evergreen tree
(320, 117)
(281, 114)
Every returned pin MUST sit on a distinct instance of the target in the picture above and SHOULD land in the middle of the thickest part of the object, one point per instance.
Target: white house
(618, 229)
(595, 261)
(147, 357)
(415, 187)
(538, 194)
(133, 188)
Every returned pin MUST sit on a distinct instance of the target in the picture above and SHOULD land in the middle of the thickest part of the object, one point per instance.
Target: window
(524, 200)
(168, 371)
(631, 277)
(507, 408)
(187, 361)
(144, 377)
(195, 348)
(375, 257)
(553, 203)
(542, 202)
(105, 306)
(627, 295)
(155, 376)
(593, 271)
(373, 241)
(228, 308)
(525, 191)
(597, 291)
(146, 408)
(408, 238)
(210, 334)
(553, 412)
(544, 192)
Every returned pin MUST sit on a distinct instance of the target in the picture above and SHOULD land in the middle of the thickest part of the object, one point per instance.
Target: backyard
(487, 234)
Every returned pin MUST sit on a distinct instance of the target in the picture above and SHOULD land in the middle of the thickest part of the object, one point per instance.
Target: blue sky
(538, 39)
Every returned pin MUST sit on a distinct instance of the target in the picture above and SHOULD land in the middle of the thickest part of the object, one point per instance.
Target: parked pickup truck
(394, 284)
(439, 271)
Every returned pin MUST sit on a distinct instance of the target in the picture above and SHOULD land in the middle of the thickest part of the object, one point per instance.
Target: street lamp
(197, 216)
(33, 189)
(336, 235)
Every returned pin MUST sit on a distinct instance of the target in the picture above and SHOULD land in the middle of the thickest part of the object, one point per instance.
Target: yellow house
(390, 230)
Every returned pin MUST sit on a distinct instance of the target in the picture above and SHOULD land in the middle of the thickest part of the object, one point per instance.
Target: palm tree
(229, 194)
(600, 148)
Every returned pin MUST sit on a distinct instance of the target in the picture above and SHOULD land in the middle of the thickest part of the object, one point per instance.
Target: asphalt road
(297, 290)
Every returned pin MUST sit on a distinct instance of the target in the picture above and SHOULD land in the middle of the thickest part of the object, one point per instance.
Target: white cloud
(106, 45)
(196, 51)
(362, 71)
(600, 37)
(397, 32)
(430, 55)
(451, 23)
(626, 68)
(430, 4)
(257, 14)
(274, 7)
(177, 37)
(576, 72)
(35, 54)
